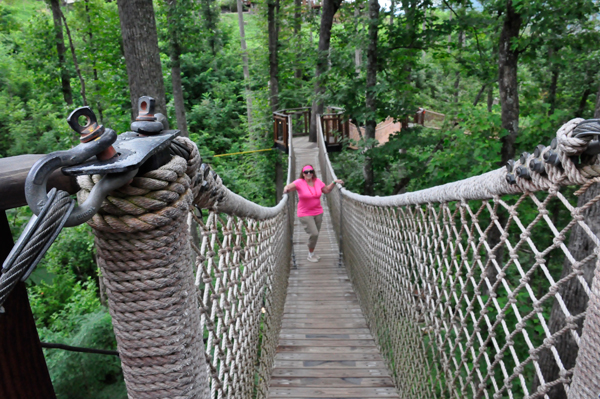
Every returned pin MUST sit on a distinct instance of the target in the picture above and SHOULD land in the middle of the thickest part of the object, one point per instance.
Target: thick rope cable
(494, 183)
(54, 215)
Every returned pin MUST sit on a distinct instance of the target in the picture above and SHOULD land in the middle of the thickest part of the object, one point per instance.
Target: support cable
(39, 234)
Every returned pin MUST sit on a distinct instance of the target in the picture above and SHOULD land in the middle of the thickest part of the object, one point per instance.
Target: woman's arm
(289, 187)
(327, 189)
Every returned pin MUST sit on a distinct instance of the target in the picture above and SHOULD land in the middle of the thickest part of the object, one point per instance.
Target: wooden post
(23, 370)
(285, 135)
(347, 129)
(305, 122)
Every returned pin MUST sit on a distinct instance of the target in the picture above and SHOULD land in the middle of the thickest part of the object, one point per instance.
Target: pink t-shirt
(309, 198)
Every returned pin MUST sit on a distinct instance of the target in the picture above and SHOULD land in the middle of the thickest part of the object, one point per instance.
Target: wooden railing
(335, 126)
(300, 125)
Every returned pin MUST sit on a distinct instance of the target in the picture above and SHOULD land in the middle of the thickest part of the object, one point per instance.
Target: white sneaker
(313, 258)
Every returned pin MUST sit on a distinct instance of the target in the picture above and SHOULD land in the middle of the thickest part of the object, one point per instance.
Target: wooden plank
(334, 337)
(326, 311)
(316, 282)
(324, 321)
(332, 382)
(316, 287)
(301, 295)
(326, 315)
(324, 324)
(328, 349)
(321, 294)
(312, 288)
(328, 357)
(323, 331)
(322, 302)
(310, 393)
(323, 342)
(336, 364)
(326, 373)
(332, 306)
(329, 394)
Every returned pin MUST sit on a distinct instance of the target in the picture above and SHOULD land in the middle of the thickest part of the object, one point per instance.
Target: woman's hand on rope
(327, 189)
(289, 187)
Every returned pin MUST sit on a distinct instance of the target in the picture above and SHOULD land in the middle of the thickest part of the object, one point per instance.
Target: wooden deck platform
(325, 347)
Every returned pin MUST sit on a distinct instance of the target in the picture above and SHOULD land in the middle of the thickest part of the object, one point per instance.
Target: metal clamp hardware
(537, 164)
(101, 152)
(37, 179)
(510, 167)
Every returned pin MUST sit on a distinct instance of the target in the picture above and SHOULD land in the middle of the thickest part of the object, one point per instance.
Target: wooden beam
(23, 370)
(13, 172)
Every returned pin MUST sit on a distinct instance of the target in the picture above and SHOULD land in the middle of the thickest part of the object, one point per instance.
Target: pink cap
(307, 167)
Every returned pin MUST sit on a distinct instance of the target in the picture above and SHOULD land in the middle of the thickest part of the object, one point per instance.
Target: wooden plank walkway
(325, 347)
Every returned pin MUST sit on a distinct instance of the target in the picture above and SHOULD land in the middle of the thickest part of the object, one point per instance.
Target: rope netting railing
(484, 287)
(196, 279)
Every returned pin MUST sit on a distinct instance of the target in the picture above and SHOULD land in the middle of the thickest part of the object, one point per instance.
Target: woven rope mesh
(242, 270)
(477, 299)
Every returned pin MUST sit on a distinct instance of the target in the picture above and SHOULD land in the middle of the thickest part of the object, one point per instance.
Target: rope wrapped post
(143, 250)
(586, 379)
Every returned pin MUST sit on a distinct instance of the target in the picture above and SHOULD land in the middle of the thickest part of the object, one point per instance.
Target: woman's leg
(318, 221)
(310, 226)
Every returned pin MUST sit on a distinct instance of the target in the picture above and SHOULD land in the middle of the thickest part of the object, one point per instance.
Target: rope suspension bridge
(426, 294)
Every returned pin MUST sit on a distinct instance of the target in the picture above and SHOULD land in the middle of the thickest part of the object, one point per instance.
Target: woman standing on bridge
(310, 211)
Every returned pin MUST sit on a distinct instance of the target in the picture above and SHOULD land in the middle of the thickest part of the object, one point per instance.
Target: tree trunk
(61, 50)
(297, 28)
(371, 95)
(140, 47)
(461, 40)
(507, 80)
(77, 70)
(328, 10)
(272, 16)
(479, 94)
(174, 56)
(573, 294)
(509, 101)
(210, 18)
(245, 61)
(93, 56)
(553, 83)
(357, 50)
(490, 98)
(586, 93)
(583, 102)
(597, 109)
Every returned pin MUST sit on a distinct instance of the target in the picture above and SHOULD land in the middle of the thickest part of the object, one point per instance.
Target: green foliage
(67, 309)
(83, 375)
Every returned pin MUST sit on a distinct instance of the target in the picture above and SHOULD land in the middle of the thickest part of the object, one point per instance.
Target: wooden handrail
(13, 172)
